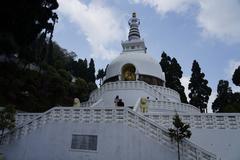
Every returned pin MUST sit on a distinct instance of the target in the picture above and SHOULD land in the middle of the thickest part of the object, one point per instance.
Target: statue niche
(128, 72)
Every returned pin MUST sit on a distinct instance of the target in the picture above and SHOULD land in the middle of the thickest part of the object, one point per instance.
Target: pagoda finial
(133, 22)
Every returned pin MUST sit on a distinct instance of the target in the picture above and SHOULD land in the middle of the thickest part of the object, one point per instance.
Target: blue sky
(205, 30)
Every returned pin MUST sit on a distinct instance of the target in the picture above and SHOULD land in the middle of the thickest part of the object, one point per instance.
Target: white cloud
(218, 19)
(100, 24)
(232, 66)
(165, 6)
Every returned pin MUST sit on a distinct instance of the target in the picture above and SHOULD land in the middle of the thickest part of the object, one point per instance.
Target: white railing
(137, 105)
(168, 91)
(144, 124)
(166, 106)
(113, 115)
(98, 103)
(201, 120)
(126, 85)
(87, 104)
(76, 114)
(24, 117)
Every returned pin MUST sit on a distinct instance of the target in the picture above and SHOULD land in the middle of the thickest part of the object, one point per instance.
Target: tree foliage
(223, 97)
(23, 22)
(91, 71)
(173, 74)
(226, 100)
(7, 119)
(179, 132)
(41, 85)
(236, 76)
(199, 91)
(37, 73)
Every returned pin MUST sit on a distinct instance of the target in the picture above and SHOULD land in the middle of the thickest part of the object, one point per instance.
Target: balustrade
(23, 117)
(158, 92)
(171, 106)
(205, 120)
(160, 134)
(111, 115)
(167, 91)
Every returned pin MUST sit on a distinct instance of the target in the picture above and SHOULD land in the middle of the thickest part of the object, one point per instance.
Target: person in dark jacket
(120, 103)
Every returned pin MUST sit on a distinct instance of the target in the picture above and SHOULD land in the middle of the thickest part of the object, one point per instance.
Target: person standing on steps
(120, 103)
(116, 100)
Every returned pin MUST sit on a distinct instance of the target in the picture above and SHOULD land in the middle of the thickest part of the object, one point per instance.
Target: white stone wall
(224, 143)
(216, 132)
(116, 141)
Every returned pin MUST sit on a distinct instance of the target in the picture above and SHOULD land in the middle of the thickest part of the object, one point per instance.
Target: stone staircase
(109, 115)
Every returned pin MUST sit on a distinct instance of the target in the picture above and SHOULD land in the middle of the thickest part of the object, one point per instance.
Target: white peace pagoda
(98, 130)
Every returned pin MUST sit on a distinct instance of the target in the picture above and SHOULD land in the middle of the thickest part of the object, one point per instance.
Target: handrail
(199, 120)
(171, 106)
(99, 114)
(168, 91)
(187, 144)
(8, 134)
(127, 85)
(23, 117)
(97, 103)
(87, 104)
(137, 104)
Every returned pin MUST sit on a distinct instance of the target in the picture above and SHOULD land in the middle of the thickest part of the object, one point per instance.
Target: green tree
(91, 86)
(199, 91)
(232, 108)
(224, 96)
(165, 64)
(7, 119)
(236, 77)
(173, 74)
(81, 69)
(23, 22)
(226, 100)
(175, 83)
(80, 89)
(91, 71)
(55, 86)
(179, 132)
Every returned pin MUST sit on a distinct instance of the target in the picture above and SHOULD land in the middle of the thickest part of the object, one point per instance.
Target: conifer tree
(175, 83)
(226, 100)
(199, 91)
(223, 97)
(91, 71)
(236, 77)
(173, 74)
(165, 64)
(179, 132)
(81, 69)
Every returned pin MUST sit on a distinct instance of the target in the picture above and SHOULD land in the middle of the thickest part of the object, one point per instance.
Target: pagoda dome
(143, 63)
